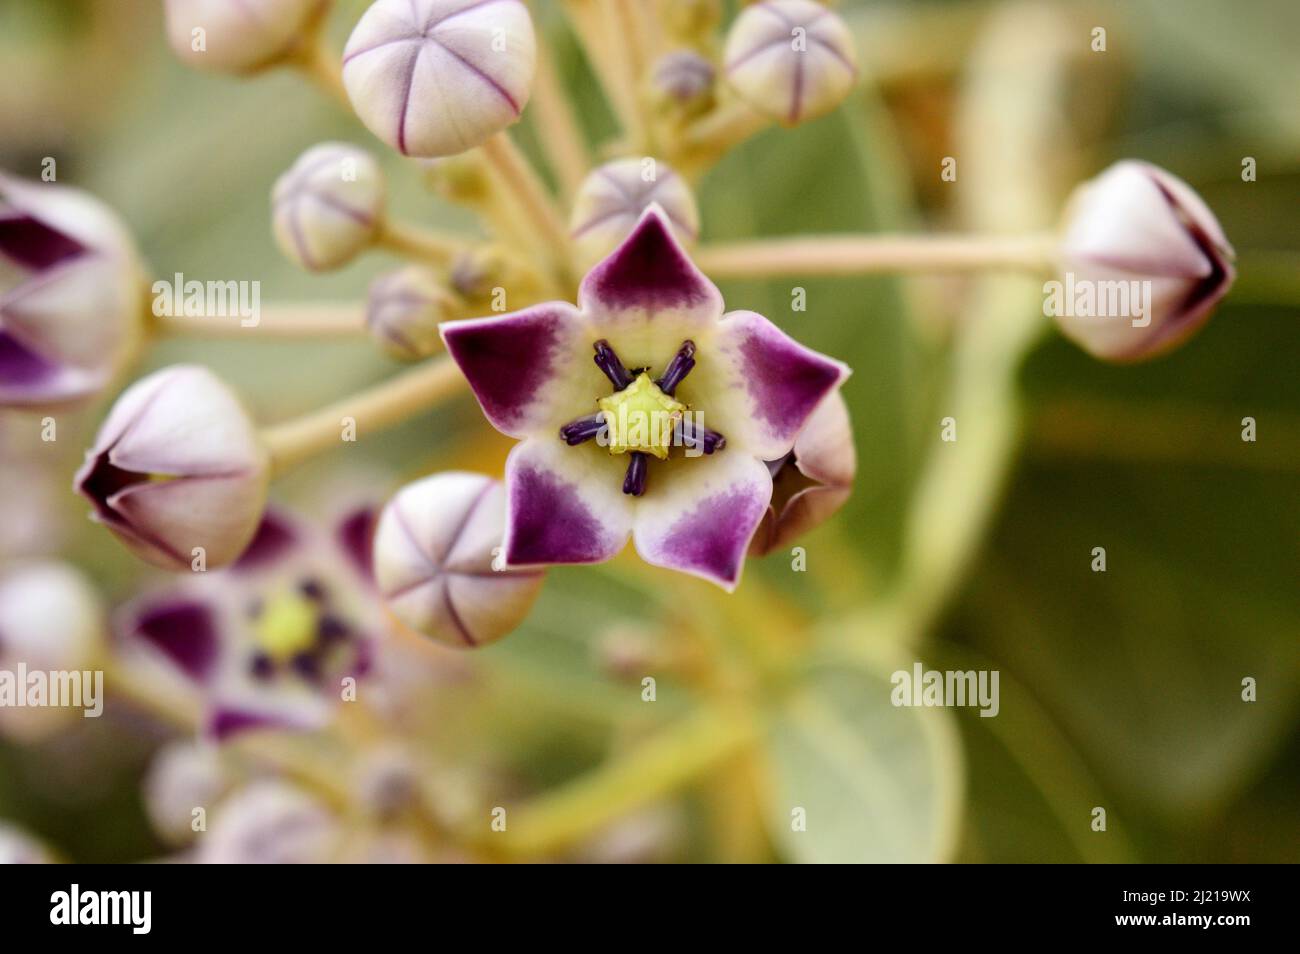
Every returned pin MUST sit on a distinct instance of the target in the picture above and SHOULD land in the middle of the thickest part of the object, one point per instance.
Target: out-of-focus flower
(682, 83)
(812, 481)
(404, 309)
(278, 639)
(178, 466)
(612, 199)
(72, 294)
(691, 20)
(434, 561)
(792, 60)
(1138, 223)
(271, 822)
(437, 77)
(571, 498)
(51, 620)
(239, 36)
(19, 848)
(328, 207)
(182, 777)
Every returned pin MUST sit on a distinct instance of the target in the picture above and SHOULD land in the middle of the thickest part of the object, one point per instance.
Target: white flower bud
(792, 60)
(51, 620)
(613, 198)
(239, 36)
(182, 777)
(19, 848)
(404, 309)
(434, 554)
(438, 77)
(681, 82)
(1137, 224)
(271, 822)
(72, 319)
(327, 208)
(178, 466)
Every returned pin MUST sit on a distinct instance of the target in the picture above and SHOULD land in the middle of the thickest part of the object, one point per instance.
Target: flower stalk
(514, 170)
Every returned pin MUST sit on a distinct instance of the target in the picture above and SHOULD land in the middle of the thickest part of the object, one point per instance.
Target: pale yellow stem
(590, 23)
(419, 244)
(374, 409)
(323, 67)
(279, 320)
(517, 174)
(867, 254)
(671, 760)
(708, 138)
(562, 140)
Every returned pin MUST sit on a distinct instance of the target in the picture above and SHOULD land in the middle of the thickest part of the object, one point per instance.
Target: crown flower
(238, 37)
(177, 467)
(72, 318)
(437, 77)
(643, 411)
(612, 199)
(792, 60)
(271, 822)
(266, 642)
(434, 561)
(328, 206)
(1137, 222)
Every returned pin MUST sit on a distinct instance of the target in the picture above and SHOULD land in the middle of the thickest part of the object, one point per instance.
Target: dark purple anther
(634, 482)
(262, 667)
(678, 368)
(582, 429)
(701, 437)
(608, 362)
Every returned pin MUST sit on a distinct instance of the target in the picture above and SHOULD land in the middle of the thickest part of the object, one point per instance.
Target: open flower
(1137, 222)
(178, 473)
(268, 642)
(71, 294)
(437, 77)
(644, 411)
(812, 481)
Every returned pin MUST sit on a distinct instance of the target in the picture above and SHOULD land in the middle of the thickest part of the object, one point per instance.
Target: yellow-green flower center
(641, 418)
(287, 626)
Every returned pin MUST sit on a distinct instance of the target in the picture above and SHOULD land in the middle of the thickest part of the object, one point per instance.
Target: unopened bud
(404, 309)
(239, 36)
(681, 84)
(327, 207)
(613, 198)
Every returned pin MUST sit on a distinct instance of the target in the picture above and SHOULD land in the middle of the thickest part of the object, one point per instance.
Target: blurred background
(1120, 689)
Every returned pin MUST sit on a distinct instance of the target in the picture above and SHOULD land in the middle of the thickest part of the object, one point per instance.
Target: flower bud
(434, 561)
(482, 274)
(19, 848)
(403, 310)
(328, 206)
(792, 60)
(238, 37)
(612, 199)
(177, 472)
(437, 77)
(51, 620)
(681, 84)
(73, 318)
(1139, 229)
(271, 822)
(183, 776)
(811, 482)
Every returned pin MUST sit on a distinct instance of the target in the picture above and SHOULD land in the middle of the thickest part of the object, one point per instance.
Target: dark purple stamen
(608, 362)
(678, 368)
(262, 666)
(701, 437)
(634, 482)
(582, 429)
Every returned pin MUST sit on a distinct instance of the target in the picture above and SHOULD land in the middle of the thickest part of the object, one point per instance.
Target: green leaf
(877, 783)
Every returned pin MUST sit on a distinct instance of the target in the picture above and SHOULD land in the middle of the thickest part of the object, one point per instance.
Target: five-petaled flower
(588, 472)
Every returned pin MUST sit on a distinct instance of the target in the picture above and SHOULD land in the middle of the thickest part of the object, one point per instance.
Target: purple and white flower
(272, 822)
(437, 77)
(1137, 222)
(792, 60)
(71, 294)
(435, 550)
(328, 206)
(178, 472)
(268, 642)
(676, 455)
